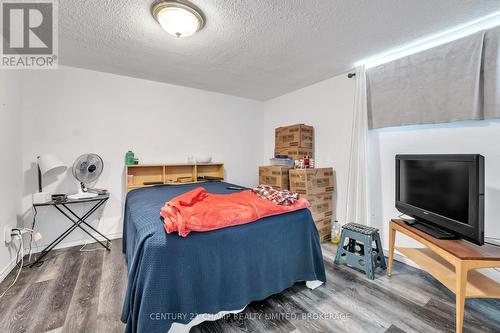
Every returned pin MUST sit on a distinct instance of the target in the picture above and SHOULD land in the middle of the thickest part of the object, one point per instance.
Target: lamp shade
(49, 162)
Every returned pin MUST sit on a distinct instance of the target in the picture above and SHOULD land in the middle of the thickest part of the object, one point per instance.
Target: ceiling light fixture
(178, 19)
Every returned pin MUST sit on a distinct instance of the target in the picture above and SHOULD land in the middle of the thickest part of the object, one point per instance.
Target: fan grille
(87, 168)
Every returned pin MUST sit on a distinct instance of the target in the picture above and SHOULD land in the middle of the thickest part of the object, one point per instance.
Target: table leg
(82, 219)
(461, 285)
(392, 240)
(70, 230)
(78, 223)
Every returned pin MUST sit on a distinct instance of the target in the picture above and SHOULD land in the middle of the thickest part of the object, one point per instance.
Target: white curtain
(357, 205)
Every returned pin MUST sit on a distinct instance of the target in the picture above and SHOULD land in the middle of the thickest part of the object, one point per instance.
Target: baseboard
(63, 244)
(12, 264)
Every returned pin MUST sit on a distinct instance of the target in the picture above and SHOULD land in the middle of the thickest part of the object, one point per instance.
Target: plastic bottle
(129, 158)
(335, 232)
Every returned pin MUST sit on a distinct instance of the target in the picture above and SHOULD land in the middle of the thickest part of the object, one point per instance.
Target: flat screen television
(443, 193)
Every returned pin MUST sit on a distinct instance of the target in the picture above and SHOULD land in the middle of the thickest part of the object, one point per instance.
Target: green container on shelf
(129, 158)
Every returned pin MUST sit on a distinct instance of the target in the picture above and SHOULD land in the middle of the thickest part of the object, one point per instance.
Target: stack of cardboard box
(316, 185)
(275, 176)
(294, 142)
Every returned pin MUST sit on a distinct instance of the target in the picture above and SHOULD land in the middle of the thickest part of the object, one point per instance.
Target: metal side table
(78, 222)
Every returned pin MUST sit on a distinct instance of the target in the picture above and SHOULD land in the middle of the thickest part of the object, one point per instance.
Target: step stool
(359, 251)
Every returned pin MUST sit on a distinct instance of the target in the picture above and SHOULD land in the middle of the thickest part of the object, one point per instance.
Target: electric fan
(86, 169)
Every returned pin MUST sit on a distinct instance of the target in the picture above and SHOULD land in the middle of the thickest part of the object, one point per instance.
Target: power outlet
(7, 232)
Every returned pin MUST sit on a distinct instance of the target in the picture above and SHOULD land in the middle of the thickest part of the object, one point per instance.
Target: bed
(176, 282)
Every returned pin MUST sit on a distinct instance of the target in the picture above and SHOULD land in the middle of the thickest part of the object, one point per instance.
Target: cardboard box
(311, 181)
(324, 228)
(321, 205)
(294, 153)
(275, 176)
(300, 136)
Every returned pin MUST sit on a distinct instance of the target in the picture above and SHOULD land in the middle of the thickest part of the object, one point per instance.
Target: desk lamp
(46, 164)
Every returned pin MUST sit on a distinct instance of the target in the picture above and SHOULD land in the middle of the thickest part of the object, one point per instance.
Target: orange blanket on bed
(198, 210)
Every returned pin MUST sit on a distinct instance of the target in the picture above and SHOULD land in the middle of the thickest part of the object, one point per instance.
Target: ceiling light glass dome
(178, 19)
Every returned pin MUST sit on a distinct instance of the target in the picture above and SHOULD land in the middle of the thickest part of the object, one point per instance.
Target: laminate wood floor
(77, 291)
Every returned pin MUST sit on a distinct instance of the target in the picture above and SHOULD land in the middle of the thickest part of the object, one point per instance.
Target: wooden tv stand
(450, 261)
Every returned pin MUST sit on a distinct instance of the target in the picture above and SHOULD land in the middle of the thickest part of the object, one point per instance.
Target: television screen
(446, 191)
(441, 187)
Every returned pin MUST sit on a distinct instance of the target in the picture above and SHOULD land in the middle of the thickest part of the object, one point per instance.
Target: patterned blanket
(279, 197)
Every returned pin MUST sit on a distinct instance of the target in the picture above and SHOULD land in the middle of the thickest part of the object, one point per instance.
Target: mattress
(175, 279)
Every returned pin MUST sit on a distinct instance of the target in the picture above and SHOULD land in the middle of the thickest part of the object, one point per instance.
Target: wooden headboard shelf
(144, 175)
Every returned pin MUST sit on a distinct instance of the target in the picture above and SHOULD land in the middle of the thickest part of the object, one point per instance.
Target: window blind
(442, 84)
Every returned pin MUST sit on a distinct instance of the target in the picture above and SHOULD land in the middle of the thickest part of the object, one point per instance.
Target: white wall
(328, 106)
(72, 111)
(466, 137)
(10, 161)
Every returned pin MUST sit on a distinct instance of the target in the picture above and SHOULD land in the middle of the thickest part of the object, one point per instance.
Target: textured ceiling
(258, 49)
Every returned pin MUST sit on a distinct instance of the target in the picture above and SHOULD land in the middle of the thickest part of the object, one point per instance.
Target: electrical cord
(35, 213)
(90, 250)
(37, 248)
(20, 249)
(31, 231)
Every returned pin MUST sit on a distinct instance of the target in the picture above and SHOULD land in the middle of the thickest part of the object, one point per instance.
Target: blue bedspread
(171, 279)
